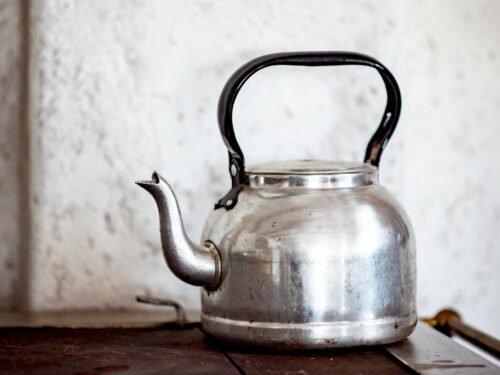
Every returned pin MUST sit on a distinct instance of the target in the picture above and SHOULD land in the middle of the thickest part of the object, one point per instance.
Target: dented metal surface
(312, 268)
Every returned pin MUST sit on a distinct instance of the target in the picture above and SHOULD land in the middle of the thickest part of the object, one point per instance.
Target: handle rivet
(234, 169)
(229, 202)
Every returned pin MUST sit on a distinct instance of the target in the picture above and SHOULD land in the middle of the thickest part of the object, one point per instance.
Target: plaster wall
(118, 89)
(11, 91)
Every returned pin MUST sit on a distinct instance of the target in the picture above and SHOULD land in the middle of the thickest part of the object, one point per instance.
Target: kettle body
(303, 254)
(325, 264)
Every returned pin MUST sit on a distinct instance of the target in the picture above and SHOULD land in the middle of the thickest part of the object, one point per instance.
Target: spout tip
(155, 177)
(146, 184)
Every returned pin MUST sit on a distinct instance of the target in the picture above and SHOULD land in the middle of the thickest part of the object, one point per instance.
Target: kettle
(304, 254)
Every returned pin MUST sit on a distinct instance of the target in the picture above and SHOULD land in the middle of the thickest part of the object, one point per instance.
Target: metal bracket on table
(450, 323)
(429, 352)
(180, 320)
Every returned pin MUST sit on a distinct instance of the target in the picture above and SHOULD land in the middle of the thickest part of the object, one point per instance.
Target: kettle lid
(312, 174)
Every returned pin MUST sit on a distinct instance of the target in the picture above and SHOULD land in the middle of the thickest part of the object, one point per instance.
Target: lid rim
(306, 174)
(311, 167)
(313, 181)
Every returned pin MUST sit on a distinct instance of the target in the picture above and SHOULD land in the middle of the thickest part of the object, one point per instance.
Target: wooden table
(168, 349)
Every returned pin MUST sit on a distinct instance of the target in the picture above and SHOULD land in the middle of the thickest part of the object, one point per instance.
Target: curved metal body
(312, 267)
(299, 255)
(195, 264)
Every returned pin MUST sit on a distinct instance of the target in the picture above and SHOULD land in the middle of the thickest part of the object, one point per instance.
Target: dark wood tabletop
(165, 350)
(172, 349)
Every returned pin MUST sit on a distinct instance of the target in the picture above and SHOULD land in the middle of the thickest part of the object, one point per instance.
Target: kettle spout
(194, 264)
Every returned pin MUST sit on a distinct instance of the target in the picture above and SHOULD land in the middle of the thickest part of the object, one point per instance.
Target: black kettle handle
(228, 96)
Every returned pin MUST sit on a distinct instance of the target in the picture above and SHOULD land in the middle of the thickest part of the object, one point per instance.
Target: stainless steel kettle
(299, 255)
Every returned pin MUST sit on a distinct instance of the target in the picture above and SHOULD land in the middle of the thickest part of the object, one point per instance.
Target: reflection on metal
(301, 268)
(312, 268)
(449, 322)
(179, 310)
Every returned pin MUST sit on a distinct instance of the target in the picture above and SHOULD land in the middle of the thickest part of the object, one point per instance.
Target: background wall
(117, 89)
(11, 91)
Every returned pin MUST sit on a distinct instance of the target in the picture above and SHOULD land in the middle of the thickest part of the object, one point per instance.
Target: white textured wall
(10, 105)
(118, 89)
(121, 90)
(452, 192)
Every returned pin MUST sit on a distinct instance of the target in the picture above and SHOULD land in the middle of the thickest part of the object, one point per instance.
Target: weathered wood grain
(101, 351)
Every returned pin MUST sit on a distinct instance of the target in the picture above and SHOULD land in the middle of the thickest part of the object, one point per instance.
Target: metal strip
(428, 351)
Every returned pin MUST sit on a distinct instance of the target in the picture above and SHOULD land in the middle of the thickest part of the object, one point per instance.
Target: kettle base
(304, 336)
